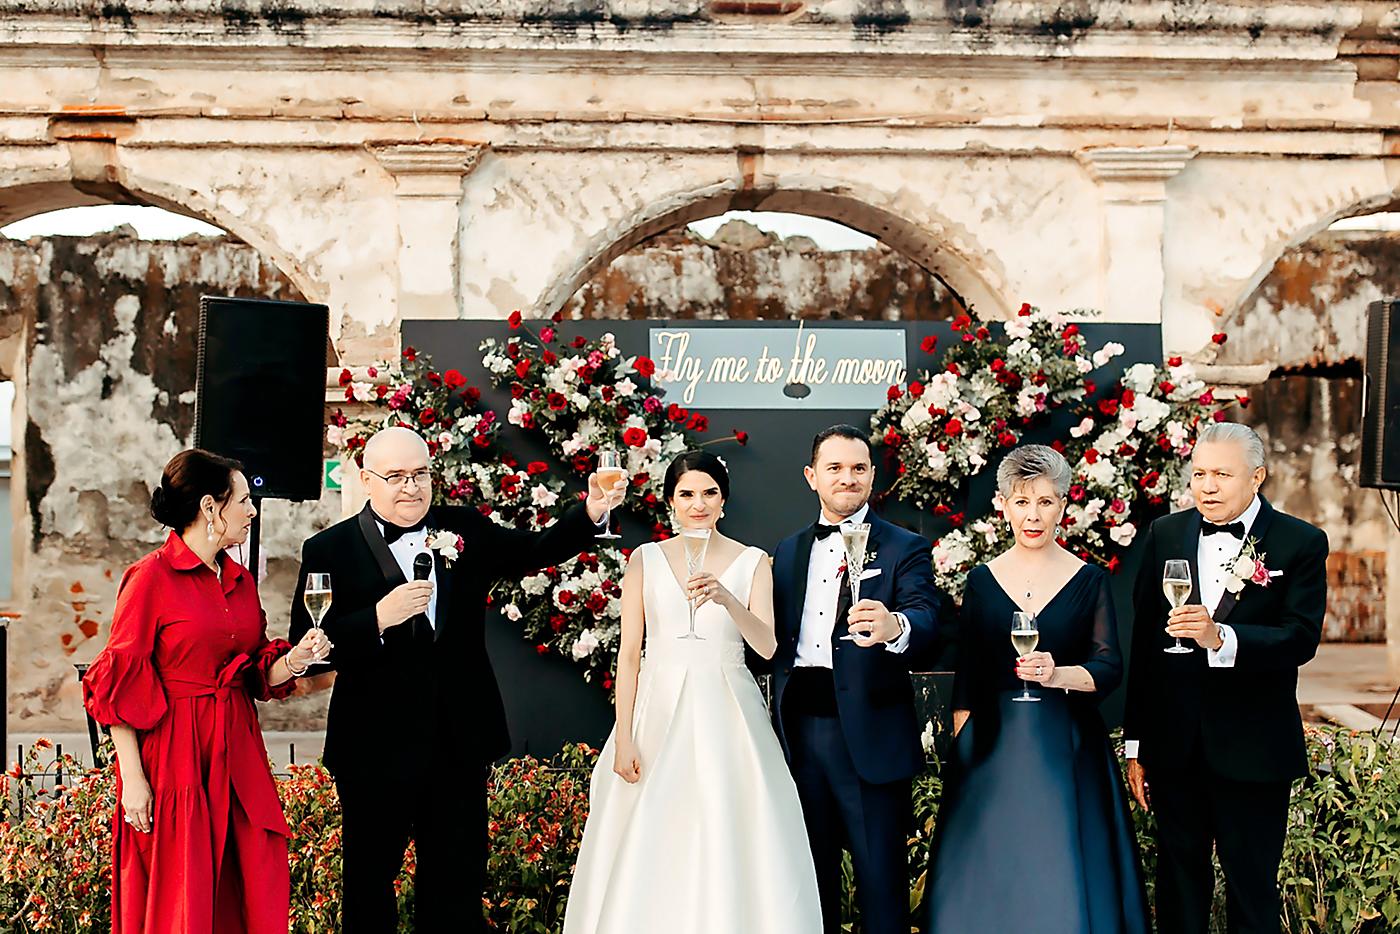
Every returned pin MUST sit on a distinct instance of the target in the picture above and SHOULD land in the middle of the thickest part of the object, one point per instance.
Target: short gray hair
(1029, 463)
(1242, 435)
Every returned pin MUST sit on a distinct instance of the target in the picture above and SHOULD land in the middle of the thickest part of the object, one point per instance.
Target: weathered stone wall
(1307, 322)
(743, 273)
(105, 397)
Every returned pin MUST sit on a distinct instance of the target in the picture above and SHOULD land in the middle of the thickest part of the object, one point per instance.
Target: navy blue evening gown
(1034, 834)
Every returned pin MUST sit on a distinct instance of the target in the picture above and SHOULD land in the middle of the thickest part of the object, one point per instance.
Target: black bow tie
(1230, 528)
(393, 533)
(823, 530)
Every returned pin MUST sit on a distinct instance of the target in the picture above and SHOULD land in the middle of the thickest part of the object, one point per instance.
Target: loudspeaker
(260, 391)
(1380, 398)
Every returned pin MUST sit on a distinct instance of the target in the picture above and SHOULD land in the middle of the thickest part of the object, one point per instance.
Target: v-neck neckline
(671, 571)
(1063, 587)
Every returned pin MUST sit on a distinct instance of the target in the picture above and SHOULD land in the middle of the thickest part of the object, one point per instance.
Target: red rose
(916, 389)
(928, 344)
(471, 396)
(1006, 439)
(941, 510)
(345, 377)
(527, 420)
(565, 597)
(1091, 456)
(634, 437)
(1219, 415)
(1089, 387)
(893, 393)
(434, 378)
(514, 320)
(1129, 397)
(1076, 493)
(953, 428)
(547, 335)
(381, 391)
(698, 423)
(535, 467)
(1025, 311)
(957, 519)
(1069, 331)
(1173, 361)
(983, 334)
(522, 368)
(542, 649)
(1108, 406)
(1207, 398)
(1243, 401)
(892, 438)
(454, 379)
(557, 317)
(1058, 445)
(953, 368)
(427, 416)
(1113, 564)
(557, 402)
(582, 463)
(1219, 339)
(549, 358)
(1150, 479)
(962, 323)
(675, 413)
(997, 365)
(578, 343)
(741, 436)
(645, 367)
(410, 354)
(516, 390)
(1167, 387)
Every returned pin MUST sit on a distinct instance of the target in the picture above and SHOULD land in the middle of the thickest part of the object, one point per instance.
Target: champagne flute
(1025, 637)
(854, 537)
(610, 470)
(695, 542)
(1176, 584)
(317, 596)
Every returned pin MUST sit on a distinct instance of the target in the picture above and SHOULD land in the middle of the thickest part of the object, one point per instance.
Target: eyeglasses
(397, 480)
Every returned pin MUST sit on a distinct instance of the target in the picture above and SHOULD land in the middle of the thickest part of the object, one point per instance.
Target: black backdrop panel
(547, 701)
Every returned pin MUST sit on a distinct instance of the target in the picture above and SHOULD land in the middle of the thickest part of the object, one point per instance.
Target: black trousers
(446, 820)
(1245, 824)
(843, 811)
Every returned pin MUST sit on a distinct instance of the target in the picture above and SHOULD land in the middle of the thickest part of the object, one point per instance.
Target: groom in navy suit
(844, 710)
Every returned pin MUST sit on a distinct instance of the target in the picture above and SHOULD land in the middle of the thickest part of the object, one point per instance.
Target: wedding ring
(127, 818)
(1039, 671)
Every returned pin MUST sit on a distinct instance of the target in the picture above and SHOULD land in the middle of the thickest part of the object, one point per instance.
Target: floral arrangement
(581, 396)
(1126, 453)
(1249, 568)
(947, 426)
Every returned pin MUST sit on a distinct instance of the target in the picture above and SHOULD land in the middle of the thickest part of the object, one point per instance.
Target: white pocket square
(866, 575)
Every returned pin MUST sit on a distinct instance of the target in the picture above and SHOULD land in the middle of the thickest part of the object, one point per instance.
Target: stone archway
(860, 211)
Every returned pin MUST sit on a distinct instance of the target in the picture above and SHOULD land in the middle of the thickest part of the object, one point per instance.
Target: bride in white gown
(694, 824)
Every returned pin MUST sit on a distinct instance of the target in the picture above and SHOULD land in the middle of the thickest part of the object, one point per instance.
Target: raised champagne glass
(1025, 636)
(1176, 584)
(317, 596)
(855, 536)
(610, 470)
(695, 542)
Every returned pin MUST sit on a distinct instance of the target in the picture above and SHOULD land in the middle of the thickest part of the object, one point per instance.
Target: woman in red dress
(199, 843)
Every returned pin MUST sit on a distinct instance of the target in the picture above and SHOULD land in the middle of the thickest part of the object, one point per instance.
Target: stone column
(1133, 181)
(428, 186)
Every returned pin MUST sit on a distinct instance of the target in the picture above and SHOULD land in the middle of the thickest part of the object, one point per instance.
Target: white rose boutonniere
(447, 544)
(1249, 568)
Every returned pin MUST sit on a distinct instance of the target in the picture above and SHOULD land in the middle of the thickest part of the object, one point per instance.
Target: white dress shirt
(1214, 555)
(824, 584)
(404, 550)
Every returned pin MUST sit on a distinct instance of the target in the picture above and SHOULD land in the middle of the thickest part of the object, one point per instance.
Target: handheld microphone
(422, 567)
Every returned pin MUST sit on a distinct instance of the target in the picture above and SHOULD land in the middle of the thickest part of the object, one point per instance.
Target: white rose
(1083, 365)
(511, 612)
(535, 584)
(335, 436)
(1123, 534)
(1083, 428)
(584, 645)
(363, 391)
(542, 495)
(625, 387)
(572, 446)
(518, 409)
(1106, 353)
(1101, 472)
(1018, 328)
(1140, 377)
(916, 418)
(1243, 566)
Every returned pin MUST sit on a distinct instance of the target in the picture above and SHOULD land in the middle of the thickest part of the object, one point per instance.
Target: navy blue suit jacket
(874, 694)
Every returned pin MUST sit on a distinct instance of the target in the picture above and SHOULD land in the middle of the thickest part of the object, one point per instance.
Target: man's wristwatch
(1219, 634)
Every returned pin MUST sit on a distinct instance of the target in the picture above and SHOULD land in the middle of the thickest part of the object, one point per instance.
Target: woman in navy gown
(1033, 833)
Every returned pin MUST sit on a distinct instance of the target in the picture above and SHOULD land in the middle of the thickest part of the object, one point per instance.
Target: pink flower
(1260, 575)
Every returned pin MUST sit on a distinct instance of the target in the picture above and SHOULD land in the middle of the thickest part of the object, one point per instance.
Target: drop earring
(209, 529)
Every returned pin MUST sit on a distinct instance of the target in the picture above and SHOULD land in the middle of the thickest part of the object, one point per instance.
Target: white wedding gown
(711, 840)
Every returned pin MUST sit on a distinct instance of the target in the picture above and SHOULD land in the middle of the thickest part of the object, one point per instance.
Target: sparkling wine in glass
(317, 596)
(854, 536)
(1176, 584)
(695, 542)
(610, 470)
(1024, 637)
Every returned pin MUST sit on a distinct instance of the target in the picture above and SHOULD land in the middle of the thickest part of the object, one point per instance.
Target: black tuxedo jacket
(874, 694)
(1243, 720)
(419, 696)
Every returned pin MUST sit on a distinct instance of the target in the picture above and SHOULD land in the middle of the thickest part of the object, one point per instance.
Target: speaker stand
(254, 532)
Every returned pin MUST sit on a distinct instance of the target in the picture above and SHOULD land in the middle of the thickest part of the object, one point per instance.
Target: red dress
(187, 656)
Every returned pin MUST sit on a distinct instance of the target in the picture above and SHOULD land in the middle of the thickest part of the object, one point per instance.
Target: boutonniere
(870, 557)
(1248, 568)
(447, 544)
